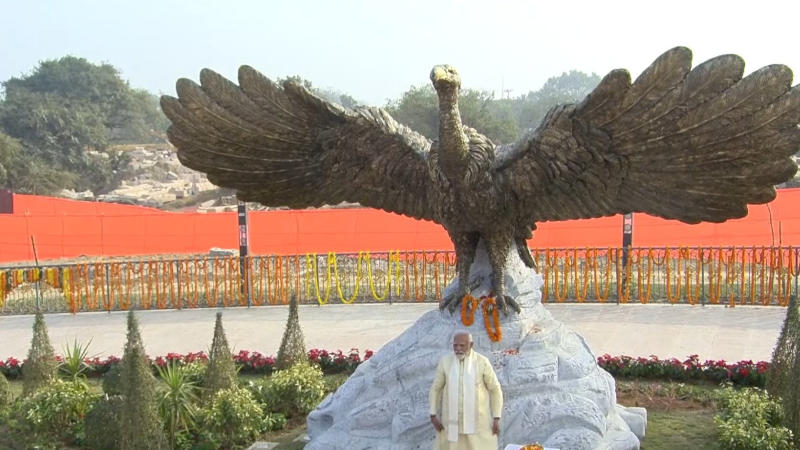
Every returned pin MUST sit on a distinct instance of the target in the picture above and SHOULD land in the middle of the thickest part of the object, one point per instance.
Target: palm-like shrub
(176, 399)
(74, 366)
(40, 368)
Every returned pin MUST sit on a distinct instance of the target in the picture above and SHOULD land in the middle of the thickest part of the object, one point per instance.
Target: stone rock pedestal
(554, 392)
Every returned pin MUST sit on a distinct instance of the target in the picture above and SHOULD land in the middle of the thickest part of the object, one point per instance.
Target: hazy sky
(375, 50)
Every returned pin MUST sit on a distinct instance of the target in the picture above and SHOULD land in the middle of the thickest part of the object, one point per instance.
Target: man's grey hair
(464, 333)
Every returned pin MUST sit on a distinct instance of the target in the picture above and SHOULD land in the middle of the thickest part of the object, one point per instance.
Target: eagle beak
(438, 73)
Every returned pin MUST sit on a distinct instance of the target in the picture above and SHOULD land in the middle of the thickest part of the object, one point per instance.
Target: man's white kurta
(488, 404)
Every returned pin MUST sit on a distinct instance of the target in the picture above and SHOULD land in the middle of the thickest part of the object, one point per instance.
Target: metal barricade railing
(698, 275)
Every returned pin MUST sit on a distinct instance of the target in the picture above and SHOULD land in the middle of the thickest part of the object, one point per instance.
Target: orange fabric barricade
(67, 229)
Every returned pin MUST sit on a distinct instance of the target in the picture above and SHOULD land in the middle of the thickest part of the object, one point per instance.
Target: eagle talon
(504, 301)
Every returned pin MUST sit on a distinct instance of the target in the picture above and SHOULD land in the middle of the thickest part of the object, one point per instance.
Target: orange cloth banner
(68, 229)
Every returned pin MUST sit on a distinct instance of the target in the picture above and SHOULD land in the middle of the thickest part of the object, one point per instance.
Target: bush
(40, 368)
(274, 422)
(57, 411)
(234, 417)
(5, 392)
(295, 391)
(749, 418)
(112, 382)
(195, 372)
(102, 424)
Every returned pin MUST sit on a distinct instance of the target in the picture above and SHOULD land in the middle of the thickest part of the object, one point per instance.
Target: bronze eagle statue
(679, 143)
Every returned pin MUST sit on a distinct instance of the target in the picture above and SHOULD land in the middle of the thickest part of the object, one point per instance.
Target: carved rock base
(554, 392)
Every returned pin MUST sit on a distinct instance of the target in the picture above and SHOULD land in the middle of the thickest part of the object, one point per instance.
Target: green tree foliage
(40, 368)
(221, 371)
(293, 345)
(65, 114)
(140, 424)
(785, 369)
(570, 87)
(418, 108)
(10, 152)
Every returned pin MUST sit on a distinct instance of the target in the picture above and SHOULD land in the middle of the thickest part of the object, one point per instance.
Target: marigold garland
(580, 294)
(607, 290)
(491, 319)
(623, 289)
(673, 298)
(646, 298)
(468, 306)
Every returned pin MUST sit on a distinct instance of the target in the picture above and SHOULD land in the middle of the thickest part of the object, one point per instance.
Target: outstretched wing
(692, 145)
(284, 146)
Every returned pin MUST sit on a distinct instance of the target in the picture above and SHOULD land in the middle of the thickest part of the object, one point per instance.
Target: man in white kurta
(471, 400)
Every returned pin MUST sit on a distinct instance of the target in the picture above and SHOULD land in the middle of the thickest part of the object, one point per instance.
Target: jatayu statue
(679, 143)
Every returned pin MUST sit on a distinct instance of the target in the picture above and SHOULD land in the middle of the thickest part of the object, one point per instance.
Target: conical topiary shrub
(139, 422)
(293, 345)
(779, 376)
(40, 368)
(5, 392)
(221, 372)
(784, 369)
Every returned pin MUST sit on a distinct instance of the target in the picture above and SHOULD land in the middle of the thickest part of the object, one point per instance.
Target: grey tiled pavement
(712, 332)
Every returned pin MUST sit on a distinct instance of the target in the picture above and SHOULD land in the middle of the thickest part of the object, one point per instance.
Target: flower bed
(246, 361)
(745, 373)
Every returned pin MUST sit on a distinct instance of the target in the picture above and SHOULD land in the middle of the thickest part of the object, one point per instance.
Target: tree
(10, 151)
(140, 424)
(40, 367)
(293, 346)
(418, 109)
(566, 88)
(65, 114)
(221, 372)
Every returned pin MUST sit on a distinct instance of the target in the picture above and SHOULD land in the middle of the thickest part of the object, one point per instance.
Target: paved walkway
(712, 332)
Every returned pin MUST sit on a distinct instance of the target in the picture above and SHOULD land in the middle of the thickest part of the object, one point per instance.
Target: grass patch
(680, 428)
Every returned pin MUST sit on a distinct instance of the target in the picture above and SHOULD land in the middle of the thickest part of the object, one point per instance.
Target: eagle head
(445, 78)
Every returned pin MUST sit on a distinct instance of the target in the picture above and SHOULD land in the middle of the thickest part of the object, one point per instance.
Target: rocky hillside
(157, 179)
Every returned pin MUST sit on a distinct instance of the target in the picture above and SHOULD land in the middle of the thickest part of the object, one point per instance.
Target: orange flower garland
(493, 327)
(468, 306)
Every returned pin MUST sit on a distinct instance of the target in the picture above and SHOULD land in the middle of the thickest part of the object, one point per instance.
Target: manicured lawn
(680, 428)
